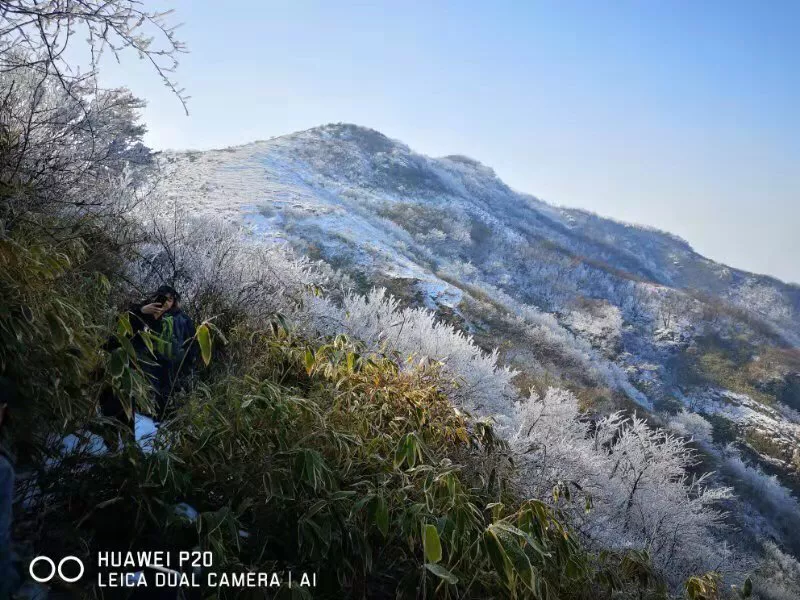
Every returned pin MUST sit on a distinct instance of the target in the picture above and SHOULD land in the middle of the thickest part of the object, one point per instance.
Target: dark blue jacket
(174, 323)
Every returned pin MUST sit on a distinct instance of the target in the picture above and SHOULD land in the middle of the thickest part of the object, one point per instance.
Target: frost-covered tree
(476, 382)
(691, 425)
(635, 478)
(36, 36)
(61, 148)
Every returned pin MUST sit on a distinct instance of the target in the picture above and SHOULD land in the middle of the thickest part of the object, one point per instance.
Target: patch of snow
(87, 442)
(145, 431)
(439, 293)
(186, 511)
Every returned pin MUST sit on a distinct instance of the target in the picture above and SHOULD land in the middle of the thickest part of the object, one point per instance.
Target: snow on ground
(94, 445)
(87, 442)
(187, 512)
(739, 408)
(145, 430)
(268, 189)
(746, 413)
(441, 293)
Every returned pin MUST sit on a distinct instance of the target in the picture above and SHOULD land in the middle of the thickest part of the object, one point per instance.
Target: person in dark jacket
(174, 331)
(170, 333)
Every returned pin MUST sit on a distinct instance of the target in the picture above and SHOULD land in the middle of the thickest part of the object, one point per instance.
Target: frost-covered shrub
(602, 323)
(476, 382)
(217, 267)
(636, 477)
(548, 337)
(778, 575)
(764, 490)
(215, 263)
(691, 425)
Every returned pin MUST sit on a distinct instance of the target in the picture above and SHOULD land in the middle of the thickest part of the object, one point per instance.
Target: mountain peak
(471, 163)
(370, 140)
(460, 158)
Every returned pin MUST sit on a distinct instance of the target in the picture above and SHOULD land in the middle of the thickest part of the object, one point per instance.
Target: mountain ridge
(381, 142)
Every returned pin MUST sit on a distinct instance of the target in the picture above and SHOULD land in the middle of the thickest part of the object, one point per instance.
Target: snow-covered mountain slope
(626, 314)
(364, 188)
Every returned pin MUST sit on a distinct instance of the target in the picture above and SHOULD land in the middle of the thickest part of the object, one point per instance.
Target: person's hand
(154, 309)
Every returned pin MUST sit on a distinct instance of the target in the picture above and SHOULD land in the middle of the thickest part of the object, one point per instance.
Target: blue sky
(676, 114)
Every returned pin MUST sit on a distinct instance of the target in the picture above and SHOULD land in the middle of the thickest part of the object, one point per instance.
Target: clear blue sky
(683, 115)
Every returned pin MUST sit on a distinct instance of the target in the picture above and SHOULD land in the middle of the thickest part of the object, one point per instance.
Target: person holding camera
(171, 334)
(174, 329)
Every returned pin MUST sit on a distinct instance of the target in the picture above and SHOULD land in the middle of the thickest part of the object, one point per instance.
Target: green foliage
(703, 587)
(53, 324)
(47, 346)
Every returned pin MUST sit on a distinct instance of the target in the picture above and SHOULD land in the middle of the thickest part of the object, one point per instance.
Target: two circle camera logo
(56, 569)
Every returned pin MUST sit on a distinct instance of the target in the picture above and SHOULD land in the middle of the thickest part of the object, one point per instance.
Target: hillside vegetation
(316, 454)
(625, 317)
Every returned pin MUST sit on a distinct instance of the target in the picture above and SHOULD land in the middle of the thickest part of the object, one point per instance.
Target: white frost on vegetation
(642, 494)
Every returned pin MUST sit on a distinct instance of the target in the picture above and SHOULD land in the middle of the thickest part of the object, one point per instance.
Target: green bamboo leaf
(382, 515)
(497, 510)
(218, 335)
(126, 345)
(204, 340)
(124, 326)
(116, 364)
(27, 313)
(146, 337)
(498, 556)
(309, 360)
(510, 538)
(441, 573)
(411, 450)
(431, 543)
(58, 330)
(361, 503)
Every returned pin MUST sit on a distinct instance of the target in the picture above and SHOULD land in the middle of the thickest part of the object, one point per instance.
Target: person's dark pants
(162, 383)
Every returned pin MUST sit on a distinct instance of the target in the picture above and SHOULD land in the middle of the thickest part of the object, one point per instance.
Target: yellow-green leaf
(309, 360)
(431, 543)
(147, 338)
(124, 326)
(204, 340)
